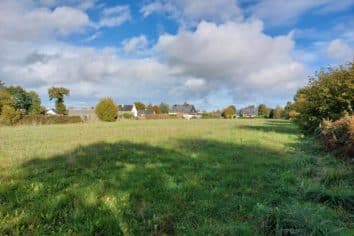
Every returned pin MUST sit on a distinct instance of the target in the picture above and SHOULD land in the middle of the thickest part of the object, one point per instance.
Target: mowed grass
(216, 177)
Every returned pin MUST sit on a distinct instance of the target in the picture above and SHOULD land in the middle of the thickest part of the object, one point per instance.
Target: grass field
(201, 177)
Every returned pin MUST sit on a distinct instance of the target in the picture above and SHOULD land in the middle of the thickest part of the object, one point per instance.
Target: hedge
(47, 120)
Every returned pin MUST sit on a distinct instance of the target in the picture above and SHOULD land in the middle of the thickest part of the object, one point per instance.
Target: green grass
(231, 177)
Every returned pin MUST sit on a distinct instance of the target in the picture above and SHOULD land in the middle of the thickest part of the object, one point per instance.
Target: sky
(209, 53)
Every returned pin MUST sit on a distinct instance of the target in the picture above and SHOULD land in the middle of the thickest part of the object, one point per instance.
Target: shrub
(10, 115)
(228, 112)
(48, 120)
(127, 115)
(106, 110)
(329, 95)
(338, 136)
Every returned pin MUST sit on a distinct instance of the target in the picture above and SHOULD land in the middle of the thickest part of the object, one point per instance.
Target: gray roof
(185, 109)
(125, 108)
(248, 111)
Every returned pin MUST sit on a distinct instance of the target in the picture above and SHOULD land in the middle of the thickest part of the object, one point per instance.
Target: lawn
(231, 177)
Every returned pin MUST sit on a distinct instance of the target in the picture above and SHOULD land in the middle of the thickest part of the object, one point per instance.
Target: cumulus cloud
(340, 51)
(114, 16)
(191, 12)
(236, 56)
(135, 43)
(289, 11)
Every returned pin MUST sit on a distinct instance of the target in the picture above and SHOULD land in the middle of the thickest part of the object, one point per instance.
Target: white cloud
(340, 51)
(114, 16)
(191, 12)
(135, 43)
(236, 56)
(280, 12)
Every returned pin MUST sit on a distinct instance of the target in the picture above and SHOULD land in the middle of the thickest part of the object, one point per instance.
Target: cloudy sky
(210, 53)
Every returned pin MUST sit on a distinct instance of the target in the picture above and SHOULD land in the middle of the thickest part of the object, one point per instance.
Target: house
(51, 112)
(86, 113)
(249, 111)
(127, 109)
(186, 111)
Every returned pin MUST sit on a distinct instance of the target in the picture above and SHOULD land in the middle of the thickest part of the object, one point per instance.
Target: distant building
(183, 109)
(249, 111)
(187, 111)
(127, 109)
(86, 113)
(142, 113)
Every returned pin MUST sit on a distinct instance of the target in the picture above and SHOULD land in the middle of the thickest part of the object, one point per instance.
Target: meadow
(165, 177)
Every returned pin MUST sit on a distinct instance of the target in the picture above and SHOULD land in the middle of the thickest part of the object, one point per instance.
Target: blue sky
(209, 53)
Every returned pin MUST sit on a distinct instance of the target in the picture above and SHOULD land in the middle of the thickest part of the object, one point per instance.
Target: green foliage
(128, 115)
(229, 112)
(6, 99)
(156, 109)
(139, 105)
(328, 96)
(276, 113)
(263, 111)
(164, 108)
(106, 110)
(2, 85)
(48, 120)
(23, 100)
(35, 108)
(58, 93)
(9, 115)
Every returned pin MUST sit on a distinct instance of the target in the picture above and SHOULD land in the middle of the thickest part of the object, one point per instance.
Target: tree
(228, 112)
(328, 96)
(6, 99)
(35, 108)
(22, 99)
(164, 108)
(58, 93)
(276, 113)
(149, 106)
(107, 110)
(263, 111)
(10, 115)
(139, 105)
(156, 109)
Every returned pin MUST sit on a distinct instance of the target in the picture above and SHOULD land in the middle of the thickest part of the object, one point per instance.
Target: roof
(185, 109)
(125, 108)
(249, 111)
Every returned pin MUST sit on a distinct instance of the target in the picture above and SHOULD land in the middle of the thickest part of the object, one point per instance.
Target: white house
(51, 112)
(127, 109)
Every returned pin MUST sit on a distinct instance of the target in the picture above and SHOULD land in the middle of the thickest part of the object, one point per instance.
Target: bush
(228, 112)
(106, 110)
(10, 115)
(338, 136)
(47, 120)
(329, 96)
(127, 115)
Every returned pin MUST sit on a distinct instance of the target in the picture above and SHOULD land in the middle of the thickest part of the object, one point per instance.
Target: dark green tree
(164, 108)
(139, 105)
(58, 93)
(263, 111)
(23, 100)
(35, 108)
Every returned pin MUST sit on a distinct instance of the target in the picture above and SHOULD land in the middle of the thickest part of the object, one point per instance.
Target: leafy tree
(35, 108)
(164, 108)
(58, 93)
(106, 110)
(276, 113)
(328, 96)
(149, 106)
(229, 112)
(263, 111)
(6, 99)
(22, 99)
(139, 105)
(156, 109)
(10, 115)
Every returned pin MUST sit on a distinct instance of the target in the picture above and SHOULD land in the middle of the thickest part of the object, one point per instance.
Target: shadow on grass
(199, 186)
(277, 126)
